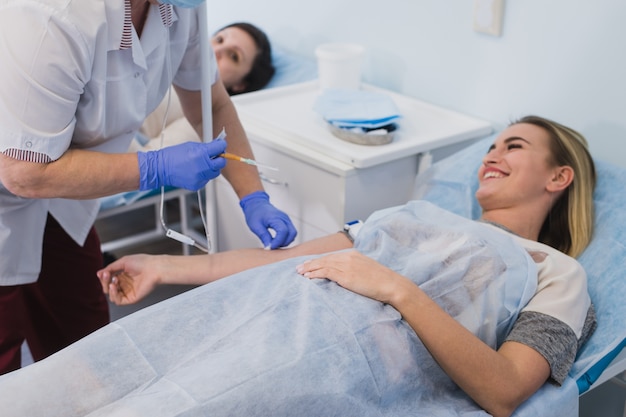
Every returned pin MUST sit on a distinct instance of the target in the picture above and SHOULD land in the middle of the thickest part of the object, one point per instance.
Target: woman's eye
(514, 146)
(234, 57)
(219, 39)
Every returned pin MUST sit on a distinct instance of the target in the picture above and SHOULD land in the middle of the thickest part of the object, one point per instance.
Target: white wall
(562, 59)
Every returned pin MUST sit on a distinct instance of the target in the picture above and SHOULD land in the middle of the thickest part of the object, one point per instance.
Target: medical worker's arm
(499, 381)
(131, 278)
(44, 76)
(78, 174)
(243, 178)
(261, 216)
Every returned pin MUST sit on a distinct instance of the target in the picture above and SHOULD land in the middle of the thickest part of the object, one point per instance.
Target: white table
(325, 181)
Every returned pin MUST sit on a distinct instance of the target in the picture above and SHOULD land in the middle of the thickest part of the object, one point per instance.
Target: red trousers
(65, 304)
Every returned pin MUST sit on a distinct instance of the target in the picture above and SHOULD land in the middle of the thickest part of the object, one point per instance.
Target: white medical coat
(75, 74)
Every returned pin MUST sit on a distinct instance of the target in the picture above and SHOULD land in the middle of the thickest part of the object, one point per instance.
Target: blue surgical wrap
(271, 342)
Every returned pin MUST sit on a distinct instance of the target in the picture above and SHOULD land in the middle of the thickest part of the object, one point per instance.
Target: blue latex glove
(189, 165)
(261, 216)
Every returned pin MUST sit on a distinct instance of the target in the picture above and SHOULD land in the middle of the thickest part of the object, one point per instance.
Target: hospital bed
(184, 205)
(159, 369)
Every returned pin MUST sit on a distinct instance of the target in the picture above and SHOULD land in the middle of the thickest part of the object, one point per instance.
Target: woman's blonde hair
(569, 225)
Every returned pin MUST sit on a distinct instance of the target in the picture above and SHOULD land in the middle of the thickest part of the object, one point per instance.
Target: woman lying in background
(244, 59)
(427, 302)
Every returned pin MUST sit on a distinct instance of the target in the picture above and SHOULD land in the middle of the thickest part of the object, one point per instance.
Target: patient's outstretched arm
(131, 278)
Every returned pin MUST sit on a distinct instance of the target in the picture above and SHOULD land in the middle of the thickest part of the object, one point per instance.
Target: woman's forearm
(77, 174)
(201, 269)
(499, 381)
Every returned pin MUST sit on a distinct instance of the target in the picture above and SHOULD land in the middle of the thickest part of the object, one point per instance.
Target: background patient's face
(235, 51)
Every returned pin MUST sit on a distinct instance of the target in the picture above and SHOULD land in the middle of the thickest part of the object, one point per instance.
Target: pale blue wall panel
(564, 59)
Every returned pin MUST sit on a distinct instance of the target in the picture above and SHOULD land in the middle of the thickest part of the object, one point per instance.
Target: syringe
(234, 157)
(246, 161)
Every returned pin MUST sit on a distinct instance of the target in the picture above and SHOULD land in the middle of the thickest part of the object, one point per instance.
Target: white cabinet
(322, 180)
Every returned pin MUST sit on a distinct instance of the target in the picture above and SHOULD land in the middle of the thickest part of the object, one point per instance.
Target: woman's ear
(562, 178)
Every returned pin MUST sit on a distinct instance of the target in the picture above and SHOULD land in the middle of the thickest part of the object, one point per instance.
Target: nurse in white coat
(78, 77)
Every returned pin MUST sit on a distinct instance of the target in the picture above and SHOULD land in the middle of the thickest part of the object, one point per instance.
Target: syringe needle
(255, 163)
(246, 161)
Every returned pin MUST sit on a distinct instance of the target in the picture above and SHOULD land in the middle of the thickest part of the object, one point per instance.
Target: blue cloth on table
(356, 108)
(271, 342)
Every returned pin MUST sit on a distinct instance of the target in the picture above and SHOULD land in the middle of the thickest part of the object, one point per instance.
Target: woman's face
(235, 51)
(516, 169)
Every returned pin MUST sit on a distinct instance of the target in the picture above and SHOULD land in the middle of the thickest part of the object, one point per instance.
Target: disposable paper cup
(339, 65)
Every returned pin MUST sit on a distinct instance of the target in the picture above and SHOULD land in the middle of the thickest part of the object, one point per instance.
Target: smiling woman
(503, 179)
(559, 157)
(536, 186)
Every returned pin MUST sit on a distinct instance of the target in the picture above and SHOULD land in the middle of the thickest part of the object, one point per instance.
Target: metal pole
(207, 120)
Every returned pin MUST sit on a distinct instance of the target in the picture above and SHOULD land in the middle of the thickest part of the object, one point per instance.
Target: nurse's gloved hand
(189, 165)
(262, 216)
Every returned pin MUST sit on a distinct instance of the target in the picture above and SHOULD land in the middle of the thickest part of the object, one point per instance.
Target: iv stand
(207, 120)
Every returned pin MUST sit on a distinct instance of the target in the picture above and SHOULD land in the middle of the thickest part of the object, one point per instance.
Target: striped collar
(165, 10)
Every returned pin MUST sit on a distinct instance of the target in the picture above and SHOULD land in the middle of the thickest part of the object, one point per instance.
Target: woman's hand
(130, 278)
(355, 272)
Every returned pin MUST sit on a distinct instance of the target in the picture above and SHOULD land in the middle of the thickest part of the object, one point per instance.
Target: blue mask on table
(183, 3)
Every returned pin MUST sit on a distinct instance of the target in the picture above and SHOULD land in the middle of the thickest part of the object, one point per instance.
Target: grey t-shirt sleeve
(552, 338)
